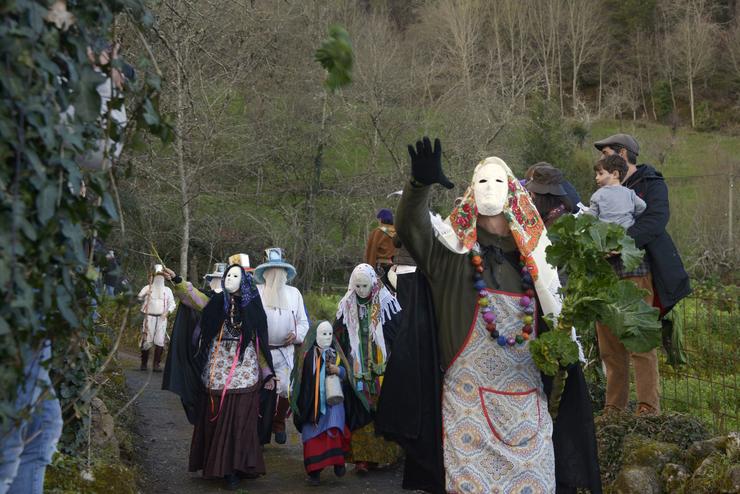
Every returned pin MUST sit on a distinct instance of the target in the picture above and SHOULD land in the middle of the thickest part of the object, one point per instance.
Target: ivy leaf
(110, 206)
(74, 234)
(150, 115)
(46, 203)
(64, 302)
(87, 101)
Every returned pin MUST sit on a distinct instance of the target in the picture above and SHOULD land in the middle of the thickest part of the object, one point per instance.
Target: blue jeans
(26, 450)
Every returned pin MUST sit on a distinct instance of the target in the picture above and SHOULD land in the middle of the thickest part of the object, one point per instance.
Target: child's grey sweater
(616, 204)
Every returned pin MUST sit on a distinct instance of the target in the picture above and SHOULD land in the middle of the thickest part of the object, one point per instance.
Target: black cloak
(183, 367)
(188, 355)
(409, 411)
(356, 410)
(254, 325)
(409, 407)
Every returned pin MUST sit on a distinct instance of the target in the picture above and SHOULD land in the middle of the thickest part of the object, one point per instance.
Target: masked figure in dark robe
(237, 365)
(326, 406)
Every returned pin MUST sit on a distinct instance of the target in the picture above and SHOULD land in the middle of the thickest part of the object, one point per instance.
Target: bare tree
(456, 26)
(546, 18)
(692, 44)
(582, 27)
(512, 24)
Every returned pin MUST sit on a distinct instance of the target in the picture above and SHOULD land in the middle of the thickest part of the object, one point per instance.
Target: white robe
(156, 308)
(280, 323)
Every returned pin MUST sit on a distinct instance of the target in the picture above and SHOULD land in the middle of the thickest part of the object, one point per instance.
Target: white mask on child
(233, 279)
(324, 335)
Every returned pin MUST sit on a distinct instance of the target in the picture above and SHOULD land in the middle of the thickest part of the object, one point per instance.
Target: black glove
(426, 164)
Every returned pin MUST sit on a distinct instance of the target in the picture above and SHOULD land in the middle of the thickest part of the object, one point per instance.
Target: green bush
(321, 307)
(662, 99)
(545, 135)
(706, 120)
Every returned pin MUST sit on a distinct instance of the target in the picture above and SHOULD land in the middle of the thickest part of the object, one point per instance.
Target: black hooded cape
(409, 408)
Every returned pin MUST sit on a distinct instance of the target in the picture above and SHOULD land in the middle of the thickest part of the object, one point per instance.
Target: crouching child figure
(325, 406)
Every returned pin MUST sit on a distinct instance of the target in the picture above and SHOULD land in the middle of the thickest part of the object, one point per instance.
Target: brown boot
(278, 420)
(144, 359)
(646, 410)
(158, 351)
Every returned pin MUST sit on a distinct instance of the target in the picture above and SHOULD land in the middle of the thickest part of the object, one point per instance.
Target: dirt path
(164, 443)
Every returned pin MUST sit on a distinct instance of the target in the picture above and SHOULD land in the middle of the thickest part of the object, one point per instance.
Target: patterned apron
(497, 430)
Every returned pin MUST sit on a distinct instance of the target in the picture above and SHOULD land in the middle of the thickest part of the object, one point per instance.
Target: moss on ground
(611, 431)
(107, 467)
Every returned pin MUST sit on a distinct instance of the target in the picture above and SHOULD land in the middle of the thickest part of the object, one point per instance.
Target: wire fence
(705, 223)
(708, 384)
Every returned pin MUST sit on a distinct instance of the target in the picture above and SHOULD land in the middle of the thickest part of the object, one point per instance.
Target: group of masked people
(242, 358)
(437, 366)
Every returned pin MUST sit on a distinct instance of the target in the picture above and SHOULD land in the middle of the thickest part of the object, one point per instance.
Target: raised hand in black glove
(426, 163)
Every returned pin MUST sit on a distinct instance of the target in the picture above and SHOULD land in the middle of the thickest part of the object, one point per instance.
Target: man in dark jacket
(661, 273)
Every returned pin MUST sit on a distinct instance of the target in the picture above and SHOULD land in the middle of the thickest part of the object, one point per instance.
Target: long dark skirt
(230, 444)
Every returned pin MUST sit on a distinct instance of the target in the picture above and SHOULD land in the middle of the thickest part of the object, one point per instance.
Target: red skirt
(326, 449)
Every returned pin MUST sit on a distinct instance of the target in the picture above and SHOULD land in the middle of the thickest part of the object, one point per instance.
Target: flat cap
(625, 140)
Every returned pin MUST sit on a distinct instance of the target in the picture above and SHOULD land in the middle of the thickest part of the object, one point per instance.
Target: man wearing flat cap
(661, 273)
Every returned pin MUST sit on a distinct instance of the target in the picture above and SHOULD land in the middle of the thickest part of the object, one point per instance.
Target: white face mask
(362, 284)
(233, 279)
(491, 188)
(324, 335)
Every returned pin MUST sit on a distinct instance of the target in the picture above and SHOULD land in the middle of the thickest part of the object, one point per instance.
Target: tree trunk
(691, 101)
(639, 76)
(601, 83)
(180, 155)
(309, 260)
(652, 98)
(560, 76)
(574, 88)
(673, 95)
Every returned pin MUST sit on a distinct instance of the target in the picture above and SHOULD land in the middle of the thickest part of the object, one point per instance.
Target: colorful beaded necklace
(485, 302)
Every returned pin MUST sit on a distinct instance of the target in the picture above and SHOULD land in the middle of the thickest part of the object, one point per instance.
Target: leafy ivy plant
(49, 227)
